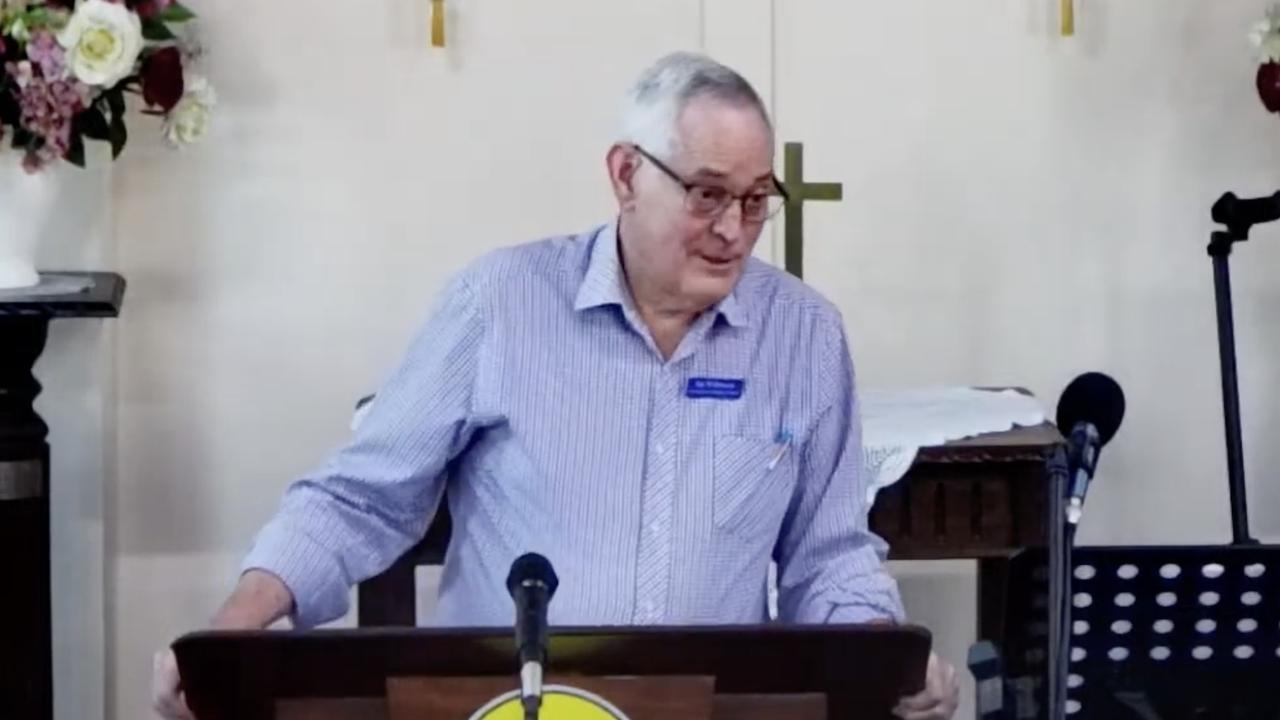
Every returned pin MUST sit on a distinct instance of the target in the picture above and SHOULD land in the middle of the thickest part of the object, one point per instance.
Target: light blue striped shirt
(536, 394)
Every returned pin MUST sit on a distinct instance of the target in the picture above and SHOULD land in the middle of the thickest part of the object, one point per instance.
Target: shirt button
(662, 449)
(653, 528)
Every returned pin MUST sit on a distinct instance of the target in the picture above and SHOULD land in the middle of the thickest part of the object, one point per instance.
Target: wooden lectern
(768, 672)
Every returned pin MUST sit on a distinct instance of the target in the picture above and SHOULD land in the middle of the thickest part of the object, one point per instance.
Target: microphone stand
(1061, 537)
(1238, 219)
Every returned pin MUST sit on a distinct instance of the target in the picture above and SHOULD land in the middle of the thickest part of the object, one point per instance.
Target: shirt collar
(605, 283)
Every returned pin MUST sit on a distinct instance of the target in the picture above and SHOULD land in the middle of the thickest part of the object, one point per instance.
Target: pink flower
(48, 55)
(21, 72)
(32, 163)
(47, 110)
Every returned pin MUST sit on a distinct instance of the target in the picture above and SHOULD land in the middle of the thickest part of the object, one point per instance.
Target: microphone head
(1093, 398)
(532, 567)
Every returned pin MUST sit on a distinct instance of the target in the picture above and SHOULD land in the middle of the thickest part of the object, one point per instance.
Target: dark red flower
(162, 84)
(1269, 86)
(148, 8)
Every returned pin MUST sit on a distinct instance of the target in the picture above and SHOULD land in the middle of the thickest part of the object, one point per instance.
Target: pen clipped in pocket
(753, 481)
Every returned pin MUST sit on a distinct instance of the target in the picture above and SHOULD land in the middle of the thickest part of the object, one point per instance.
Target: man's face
(692, 258)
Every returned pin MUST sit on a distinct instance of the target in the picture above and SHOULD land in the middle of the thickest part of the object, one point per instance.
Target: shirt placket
(658, 502)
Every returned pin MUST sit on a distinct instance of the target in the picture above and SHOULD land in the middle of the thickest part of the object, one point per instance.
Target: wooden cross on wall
(800, 192)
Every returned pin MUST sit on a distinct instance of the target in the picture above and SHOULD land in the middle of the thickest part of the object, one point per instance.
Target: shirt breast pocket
(750, 497)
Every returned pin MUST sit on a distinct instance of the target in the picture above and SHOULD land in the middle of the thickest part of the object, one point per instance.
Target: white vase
(26, 205)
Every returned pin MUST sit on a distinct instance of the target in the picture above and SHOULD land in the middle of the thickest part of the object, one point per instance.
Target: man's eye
(709, 195)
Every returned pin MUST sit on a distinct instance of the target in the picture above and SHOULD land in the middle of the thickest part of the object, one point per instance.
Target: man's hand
(939, 698)
(258, 600)
(167, 698)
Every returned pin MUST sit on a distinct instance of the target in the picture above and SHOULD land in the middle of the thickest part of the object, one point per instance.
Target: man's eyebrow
(710, 174)
(706, 173)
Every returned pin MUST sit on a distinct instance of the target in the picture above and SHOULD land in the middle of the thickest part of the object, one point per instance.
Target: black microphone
(1090, 409)
(531, 583)
(1235, 213)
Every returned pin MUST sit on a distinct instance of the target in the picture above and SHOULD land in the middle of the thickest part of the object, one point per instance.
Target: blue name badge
(714, 388)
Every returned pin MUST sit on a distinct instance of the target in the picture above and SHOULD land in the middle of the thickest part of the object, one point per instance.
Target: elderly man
(646, 404)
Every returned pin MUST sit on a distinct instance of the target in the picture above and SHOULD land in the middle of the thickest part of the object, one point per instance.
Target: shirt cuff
(867, 613)
(308, 569)
(859, 600)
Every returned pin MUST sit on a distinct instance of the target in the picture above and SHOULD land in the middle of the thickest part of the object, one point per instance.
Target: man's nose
(729, 223)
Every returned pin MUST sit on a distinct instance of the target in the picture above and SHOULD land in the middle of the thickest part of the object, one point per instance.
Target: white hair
(653, 105)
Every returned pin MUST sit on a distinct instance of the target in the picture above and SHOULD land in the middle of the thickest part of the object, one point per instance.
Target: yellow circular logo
(559, 702)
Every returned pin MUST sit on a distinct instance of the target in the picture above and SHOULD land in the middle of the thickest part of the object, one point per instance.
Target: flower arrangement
(1266, 41)
(67, 66)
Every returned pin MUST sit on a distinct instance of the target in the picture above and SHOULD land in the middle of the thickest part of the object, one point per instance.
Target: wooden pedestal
(26, 636)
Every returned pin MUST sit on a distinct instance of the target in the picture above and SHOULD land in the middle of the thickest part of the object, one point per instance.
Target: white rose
(1269, 48)
(103, 40)
(188, 121)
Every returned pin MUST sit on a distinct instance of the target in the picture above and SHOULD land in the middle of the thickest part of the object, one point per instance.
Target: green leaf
(117, 133)
(17, 29)
(115, 101)
(93, 124)
(37, 16)
(119, 136)
(156, 30)
(176, 13)
(75, 153)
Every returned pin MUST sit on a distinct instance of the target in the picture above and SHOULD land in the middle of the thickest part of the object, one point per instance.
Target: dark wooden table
(984, 498)
(26, 657)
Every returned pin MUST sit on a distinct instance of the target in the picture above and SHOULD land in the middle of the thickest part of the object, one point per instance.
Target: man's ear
(623, 163)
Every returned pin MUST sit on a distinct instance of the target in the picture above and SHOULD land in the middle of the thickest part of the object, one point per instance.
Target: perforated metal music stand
(1158, 633)
(1175, 632)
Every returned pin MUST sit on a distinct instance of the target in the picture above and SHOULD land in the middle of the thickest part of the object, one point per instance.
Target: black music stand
(1158, 633)
(1175, 632)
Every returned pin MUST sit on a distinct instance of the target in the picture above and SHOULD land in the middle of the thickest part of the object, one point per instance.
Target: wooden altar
(983, 498)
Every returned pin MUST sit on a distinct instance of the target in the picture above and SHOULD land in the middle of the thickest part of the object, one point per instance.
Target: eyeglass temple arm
(782, 189)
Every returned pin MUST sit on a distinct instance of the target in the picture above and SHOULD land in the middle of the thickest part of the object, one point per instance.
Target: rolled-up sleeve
(830, 565)
(370, 501)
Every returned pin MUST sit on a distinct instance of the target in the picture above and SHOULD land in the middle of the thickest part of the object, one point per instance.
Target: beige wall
(1023, 207)
(78, 403)
(1019, 208)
